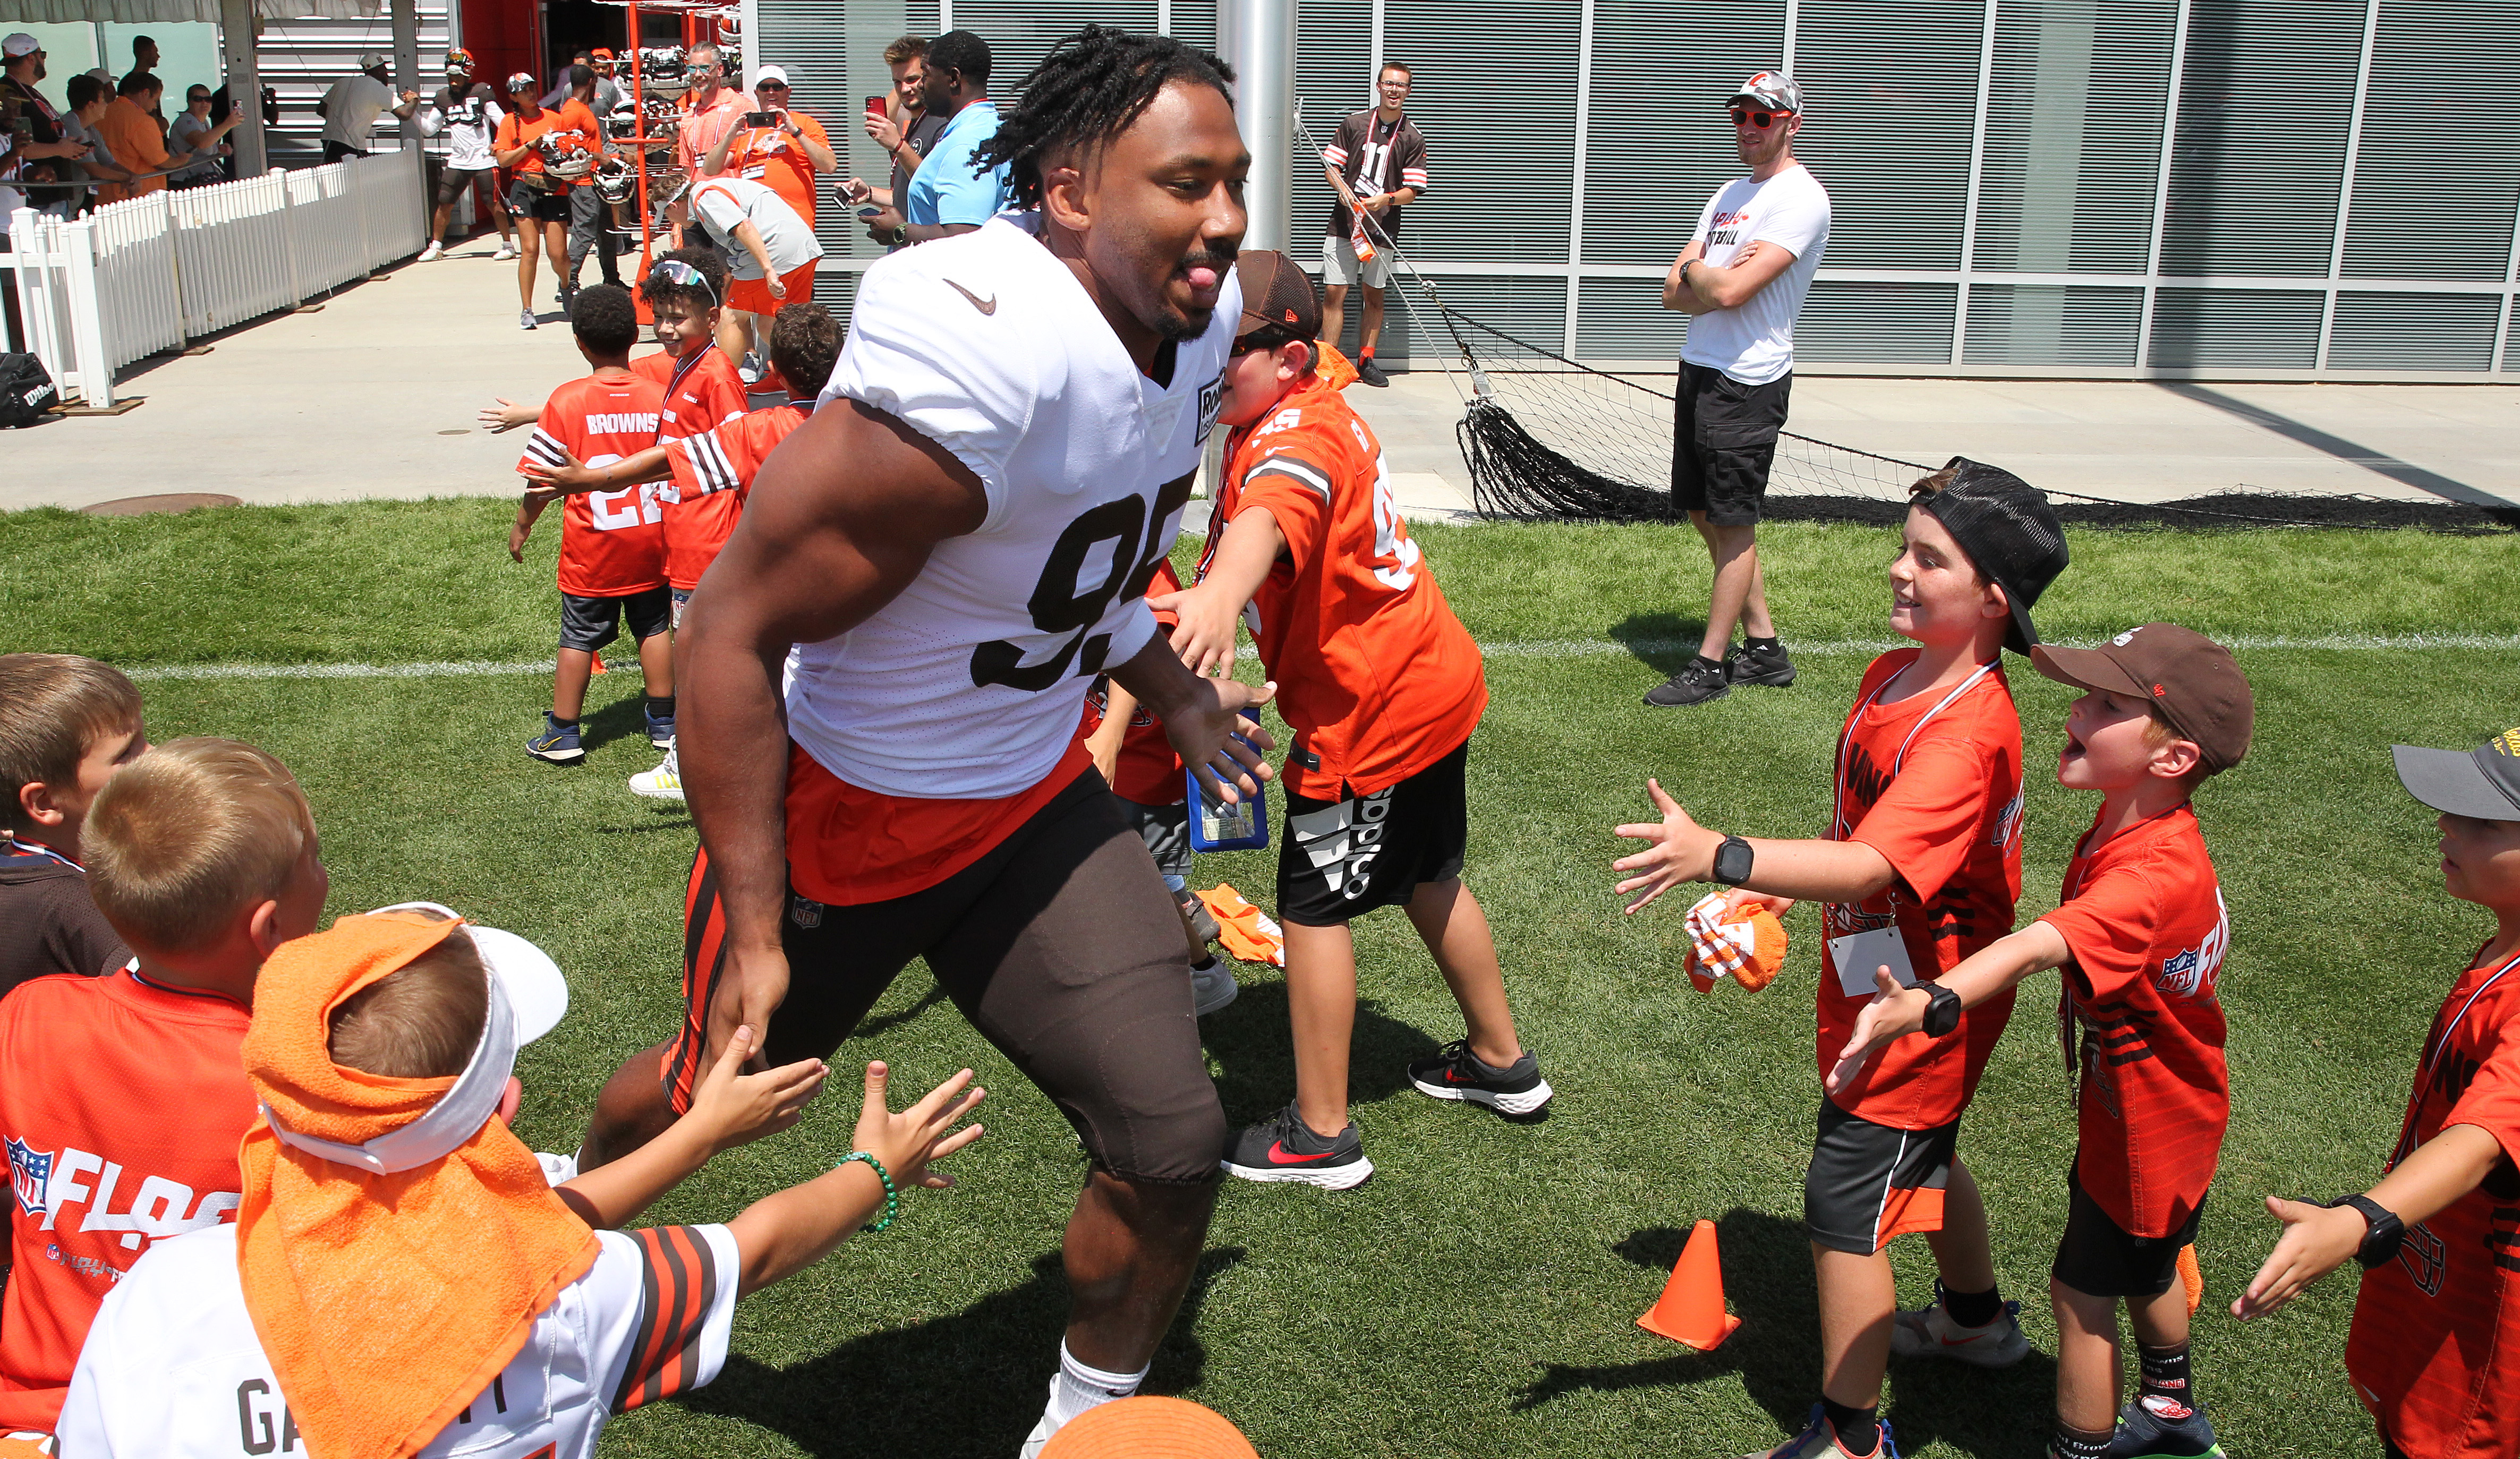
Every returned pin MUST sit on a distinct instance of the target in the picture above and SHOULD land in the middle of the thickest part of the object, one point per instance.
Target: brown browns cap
(2188, 679)
(1276, 294)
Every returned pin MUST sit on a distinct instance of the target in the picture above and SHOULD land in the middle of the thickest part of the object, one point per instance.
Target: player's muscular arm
(1682, 851)
(2317, 1240)
(1896, 1013)
(840, 521)
(1210, 611)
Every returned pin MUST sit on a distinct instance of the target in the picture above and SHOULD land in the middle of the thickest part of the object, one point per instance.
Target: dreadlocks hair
(1087, 91)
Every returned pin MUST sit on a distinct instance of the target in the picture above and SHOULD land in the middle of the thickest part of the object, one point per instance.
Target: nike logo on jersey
(988, 306)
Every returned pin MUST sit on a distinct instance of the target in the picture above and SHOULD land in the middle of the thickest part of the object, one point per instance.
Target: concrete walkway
(374, 395)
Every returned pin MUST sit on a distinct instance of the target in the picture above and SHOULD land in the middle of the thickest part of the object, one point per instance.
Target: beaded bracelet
(891, 1197)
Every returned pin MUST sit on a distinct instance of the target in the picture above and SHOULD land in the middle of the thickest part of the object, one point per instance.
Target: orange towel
(1746, 944)
(387, 1302)
(1244, 930)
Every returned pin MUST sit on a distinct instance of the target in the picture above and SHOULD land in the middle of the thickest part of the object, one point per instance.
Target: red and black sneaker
(1284, 1148)
(1453, 1072)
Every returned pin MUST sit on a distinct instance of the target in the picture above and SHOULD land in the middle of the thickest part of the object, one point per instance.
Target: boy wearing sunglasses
(1743, 276)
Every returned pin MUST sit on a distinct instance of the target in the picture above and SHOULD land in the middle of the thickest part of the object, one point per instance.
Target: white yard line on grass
(1532, 648)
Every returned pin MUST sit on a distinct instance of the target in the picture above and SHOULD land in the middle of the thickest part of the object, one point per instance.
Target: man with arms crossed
(1745, 275)
(955, 545)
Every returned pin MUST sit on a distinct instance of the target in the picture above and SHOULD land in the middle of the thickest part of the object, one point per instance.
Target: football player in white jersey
(938, 563)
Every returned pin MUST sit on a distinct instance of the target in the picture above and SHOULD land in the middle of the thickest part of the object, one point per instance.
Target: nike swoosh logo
(1279, 1154)
(988, 306)
(1964, 1342)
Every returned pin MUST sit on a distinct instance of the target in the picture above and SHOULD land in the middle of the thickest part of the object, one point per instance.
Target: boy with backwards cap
(2140, 939)
(1920, 868)
(2439, 1313)
(400, 1279)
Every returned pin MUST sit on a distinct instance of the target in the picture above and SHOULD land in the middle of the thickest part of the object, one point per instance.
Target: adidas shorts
(2098, 1258)
(590, 623)
(1061, 946)
(1339, 859)
(1868, 1182)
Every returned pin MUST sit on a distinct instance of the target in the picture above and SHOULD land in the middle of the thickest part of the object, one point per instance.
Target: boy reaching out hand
(1921, 867)
(2141, 937)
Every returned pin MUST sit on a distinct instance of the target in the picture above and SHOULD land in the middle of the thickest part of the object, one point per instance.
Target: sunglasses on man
(1758, 119)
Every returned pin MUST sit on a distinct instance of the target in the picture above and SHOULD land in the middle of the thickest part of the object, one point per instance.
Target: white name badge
(1858, 953)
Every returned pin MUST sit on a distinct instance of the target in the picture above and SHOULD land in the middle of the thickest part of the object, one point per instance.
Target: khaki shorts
(1339, 265)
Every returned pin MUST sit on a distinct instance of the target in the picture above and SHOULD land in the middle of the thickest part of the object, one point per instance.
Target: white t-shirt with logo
(172, 1368)
(724, 203)
(970, 684)
(1755, 343)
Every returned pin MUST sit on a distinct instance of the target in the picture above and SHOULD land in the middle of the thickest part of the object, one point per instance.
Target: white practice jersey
(172, 1368)
(972, 683)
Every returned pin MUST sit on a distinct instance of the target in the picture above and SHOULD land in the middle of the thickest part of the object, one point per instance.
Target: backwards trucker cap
(2009, 530)
(19, 43)
(370, 61)
(2188, 679)
(1276, 294)
(1773, 90)
(2484, 783)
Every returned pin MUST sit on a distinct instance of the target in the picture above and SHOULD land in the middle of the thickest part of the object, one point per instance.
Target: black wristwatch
(1732, 862)
(1942, 1011)
(2388, 1233)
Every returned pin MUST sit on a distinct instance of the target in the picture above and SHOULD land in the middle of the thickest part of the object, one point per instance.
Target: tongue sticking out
(1202, 277)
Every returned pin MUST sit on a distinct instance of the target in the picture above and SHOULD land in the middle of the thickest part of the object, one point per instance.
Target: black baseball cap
(2190, 680)
(1276, 295)
(2005, 526)
(2482, 784)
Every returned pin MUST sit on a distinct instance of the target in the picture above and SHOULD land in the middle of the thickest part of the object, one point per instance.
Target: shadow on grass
(968, 1384)
(1662, 642)
(1767, 1276)
(1250, 1041)
(620, 720)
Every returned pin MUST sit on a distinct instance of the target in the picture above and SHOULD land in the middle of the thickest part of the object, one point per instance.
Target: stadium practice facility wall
(2263, 189)
(302, 59)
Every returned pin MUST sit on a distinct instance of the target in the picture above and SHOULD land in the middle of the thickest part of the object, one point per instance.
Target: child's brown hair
(423, 1019)
(54, 707)
(188, 835)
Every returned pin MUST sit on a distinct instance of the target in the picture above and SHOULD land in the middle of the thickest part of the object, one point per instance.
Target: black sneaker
(1697, 683)
(1768, 666)
(1371, 373)
(1453, 1072)
(1284, 1148)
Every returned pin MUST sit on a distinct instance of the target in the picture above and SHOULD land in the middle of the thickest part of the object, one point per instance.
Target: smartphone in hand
(761, 119)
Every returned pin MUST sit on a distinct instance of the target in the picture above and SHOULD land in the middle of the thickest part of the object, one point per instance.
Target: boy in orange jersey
(122, 1097)
(1382, 686)
(2430, 1348)
(66, 724)
(613, 544)
(1922, 867)
(2140, 936)
(711, 465)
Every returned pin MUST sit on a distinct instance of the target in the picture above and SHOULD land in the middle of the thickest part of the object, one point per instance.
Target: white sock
(1078, 1388)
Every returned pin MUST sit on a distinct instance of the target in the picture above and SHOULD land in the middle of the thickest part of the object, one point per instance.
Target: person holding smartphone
(907, 130)
(780, 149)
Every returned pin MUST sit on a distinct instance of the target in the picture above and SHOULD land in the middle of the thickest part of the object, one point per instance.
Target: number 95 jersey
(970, 683)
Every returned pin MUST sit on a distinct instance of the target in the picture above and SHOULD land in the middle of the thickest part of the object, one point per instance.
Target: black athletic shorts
(2098, 1258)
(1061, 946)
(1723, 441)
(540, 207)
(1868, 1182)
(1166, 831)
(590, 623)
(452, 182)
(1341, 858)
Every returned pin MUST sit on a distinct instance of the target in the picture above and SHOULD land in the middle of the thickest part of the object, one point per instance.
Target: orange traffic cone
(1691, 1307)
(2192, 1278)
(598, 666)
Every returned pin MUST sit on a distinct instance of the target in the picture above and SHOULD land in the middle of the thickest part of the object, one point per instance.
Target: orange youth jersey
(727, 459)
(779, 162)
(2143, 918)
(121, 1103)
(700, 394)
(1375, 674)
(1147, 770)
(1933, 782)
(2426, 1350)
(610, 542)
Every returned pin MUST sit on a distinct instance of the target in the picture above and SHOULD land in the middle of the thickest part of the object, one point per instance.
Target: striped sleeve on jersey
(678, 1279)
(712, 469)
(1303, 473)
(1334, 155)
(546, 448)
(1414, 177)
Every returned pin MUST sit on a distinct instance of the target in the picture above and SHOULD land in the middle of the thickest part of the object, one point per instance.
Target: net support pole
(244, 85)
(1257, 38)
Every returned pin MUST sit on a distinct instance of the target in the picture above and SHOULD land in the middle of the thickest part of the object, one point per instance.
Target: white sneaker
(1212, 988)
(507, 250)
(525, 318)
(432, 253)
(663, 783)
(1930, 1332)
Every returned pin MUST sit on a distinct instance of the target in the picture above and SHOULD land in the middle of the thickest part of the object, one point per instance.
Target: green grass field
(1478, 1296)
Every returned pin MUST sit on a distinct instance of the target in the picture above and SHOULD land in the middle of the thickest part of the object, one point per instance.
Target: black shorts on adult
(454, 182)
(1868, 1182)
(2098, 1258)
(539, 207)
(1344, 858)
(590, 623)
(1061, 946)
(1723, 440)
(335, 151)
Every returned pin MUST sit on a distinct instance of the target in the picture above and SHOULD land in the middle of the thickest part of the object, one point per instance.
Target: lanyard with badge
(2431, 1072)
(1858, 953)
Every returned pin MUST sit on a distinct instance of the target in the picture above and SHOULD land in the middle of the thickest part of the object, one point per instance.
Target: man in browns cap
(2140, 939)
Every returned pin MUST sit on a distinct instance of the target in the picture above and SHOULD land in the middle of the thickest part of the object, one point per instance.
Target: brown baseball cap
(2188, 679)
(1276, 294)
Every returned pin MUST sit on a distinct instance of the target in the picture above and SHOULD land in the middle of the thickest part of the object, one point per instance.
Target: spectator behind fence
(131, 134)
(352, 107)
(907, 131)
(949, 193)
(33, 132)
(67, 724)
(144, 63)
(193, 134)
(89, 97)
(1378, 163)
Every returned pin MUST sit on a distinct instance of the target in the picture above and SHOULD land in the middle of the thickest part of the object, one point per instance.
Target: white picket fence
(154, 273)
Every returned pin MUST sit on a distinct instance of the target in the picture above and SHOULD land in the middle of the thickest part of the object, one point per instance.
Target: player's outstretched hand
(1205, 737)
(733, 1108)
(1894, 1013)
(909, 1142)
(2316, 1241)
(1204, 638)
(503, 414)
(1675, 857)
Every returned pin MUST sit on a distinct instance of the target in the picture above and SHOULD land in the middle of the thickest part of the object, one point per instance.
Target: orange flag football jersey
(1147, 771)
(611, 543)
(700, 393)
